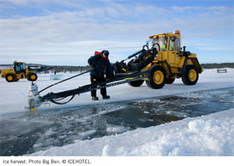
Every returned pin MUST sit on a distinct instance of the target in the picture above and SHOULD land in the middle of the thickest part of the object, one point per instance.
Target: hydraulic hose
(63, 81)
(62, 103)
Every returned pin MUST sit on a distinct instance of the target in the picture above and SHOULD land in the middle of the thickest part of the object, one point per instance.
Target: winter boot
(106, 97)
(94, 98)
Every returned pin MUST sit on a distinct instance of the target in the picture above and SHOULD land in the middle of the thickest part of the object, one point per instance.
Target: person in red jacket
(100, 65)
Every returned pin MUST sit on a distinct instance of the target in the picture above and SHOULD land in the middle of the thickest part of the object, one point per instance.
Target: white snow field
(209, 135)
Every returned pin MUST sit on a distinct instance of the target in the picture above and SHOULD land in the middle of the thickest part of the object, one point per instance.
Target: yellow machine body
(169, 54)
(19, 71)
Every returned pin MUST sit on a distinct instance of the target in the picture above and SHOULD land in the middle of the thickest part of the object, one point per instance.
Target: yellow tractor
(164, 61)
(173, 61)
(19, 71)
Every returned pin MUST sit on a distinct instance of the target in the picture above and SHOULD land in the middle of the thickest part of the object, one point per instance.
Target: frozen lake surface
(25, 132)
(174, 120)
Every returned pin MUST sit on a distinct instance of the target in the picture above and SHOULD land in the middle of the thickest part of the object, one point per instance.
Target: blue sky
(59, 32)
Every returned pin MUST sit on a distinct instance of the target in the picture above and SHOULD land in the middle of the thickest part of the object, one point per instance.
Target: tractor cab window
(17, 67)
(177, 44)
(171, 44)
(22, 66)
(162, 42)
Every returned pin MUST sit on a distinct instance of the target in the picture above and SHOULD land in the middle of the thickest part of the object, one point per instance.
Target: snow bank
(210, 135)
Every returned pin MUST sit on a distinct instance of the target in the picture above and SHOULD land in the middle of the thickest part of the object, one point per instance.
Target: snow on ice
(207, 135)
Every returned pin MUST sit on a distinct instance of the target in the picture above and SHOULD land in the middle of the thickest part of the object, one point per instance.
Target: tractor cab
(167, 41)
(168, 46)
(19, 67)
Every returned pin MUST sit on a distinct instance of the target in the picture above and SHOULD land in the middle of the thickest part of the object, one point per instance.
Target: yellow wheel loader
(19, 71)
(174, 62)
(165, 62)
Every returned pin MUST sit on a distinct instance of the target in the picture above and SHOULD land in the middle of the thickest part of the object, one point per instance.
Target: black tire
(32, 77)
(157, 77)
(136, 83)
(10, 77)
(16, 80)
(169, 80)
(190, 77)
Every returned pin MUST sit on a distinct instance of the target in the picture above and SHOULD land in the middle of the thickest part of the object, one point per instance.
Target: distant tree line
(70, 68)
(87, 67)
(50, 68)
(217, 65)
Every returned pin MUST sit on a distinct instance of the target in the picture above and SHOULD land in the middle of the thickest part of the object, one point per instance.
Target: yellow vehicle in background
(19, 71)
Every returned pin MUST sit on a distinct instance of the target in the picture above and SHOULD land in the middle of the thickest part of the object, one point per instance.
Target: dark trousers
(95, 80)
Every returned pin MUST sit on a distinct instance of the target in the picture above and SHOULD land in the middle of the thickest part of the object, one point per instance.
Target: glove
(110, 76)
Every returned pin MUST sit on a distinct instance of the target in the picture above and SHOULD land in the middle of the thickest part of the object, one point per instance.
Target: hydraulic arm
(124, 73)
(35, 100)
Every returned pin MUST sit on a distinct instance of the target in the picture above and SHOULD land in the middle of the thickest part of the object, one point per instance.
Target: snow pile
(209, 135)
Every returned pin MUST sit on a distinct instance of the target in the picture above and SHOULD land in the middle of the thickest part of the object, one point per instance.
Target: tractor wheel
(32, 77)
(10, 77)
(190, 76)
(136, 83)
(16, 80)
(170, 80)
(157, 77)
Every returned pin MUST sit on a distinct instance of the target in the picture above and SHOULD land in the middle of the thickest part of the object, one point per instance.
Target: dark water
(26, 133)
